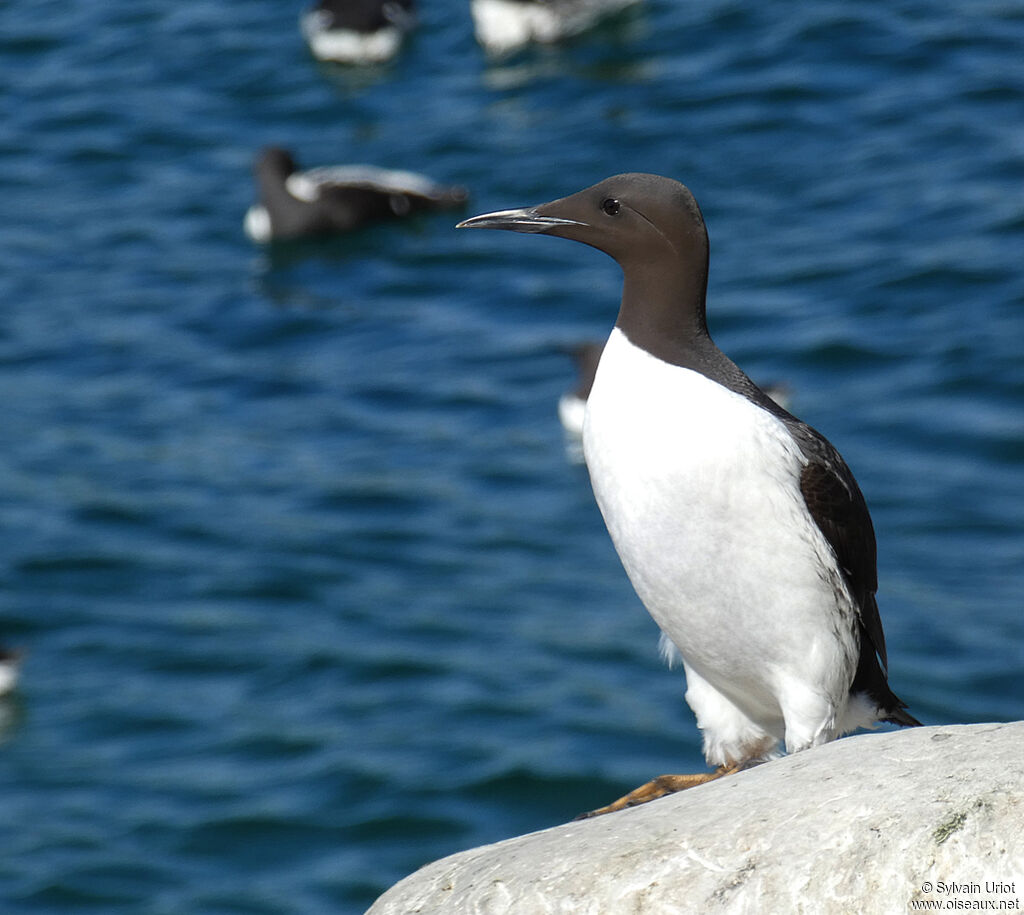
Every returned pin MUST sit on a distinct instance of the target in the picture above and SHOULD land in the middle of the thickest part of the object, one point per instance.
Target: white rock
(869, 824)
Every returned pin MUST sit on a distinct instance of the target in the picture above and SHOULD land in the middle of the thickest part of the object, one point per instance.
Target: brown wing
(838, 508)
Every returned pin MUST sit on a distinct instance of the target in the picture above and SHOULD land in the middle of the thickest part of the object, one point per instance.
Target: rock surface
(928, 818)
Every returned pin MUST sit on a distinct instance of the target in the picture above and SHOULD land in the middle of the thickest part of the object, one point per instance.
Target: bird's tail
(897, 715)
(871, 679)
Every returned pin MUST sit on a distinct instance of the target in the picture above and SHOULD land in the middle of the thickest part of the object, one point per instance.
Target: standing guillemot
(357, 31)
(741, 528)
(504, 26)
(333, 199)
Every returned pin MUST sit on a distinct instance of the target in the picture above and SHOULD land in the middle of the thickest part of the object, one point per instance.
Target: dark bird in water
(357, 31)
(334, 199)
(741, 528)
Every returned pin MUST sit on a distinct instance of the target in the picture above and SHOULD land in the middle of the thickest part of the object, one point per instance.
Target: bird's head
(274, 162)
(635, 218)
(654, 229)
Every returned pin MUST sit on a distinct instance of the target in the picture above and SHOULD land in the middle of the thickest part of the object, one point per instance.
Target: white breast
(700, 491)
(257, 224)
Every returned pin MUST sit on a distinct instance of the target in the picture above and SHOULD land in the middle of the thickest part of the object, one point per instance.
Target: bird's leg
(659, 787)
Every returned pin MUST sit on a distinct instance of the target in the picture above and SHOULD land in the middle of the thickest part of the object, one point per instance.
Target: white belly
(700, 492)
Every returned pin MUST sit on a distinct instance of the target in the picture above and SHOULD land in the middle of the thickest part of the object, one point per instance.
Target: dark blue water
(310, 593)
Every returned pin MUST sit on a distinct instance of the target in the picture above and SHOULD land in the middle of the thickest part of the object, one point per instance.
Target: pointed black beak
(527, 219)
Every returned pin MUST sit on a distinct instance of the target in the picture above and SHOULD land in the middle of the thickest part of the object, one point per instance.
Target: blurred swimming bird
(572, 405)
(503, 26)
(741, 528)
(334, 199)
(10, 669)
(357, 31)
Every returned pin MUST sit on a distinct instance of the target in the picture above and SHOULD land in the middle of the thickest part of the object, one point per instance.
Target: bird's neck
(663, 313)
(274, 192)
(667, 319)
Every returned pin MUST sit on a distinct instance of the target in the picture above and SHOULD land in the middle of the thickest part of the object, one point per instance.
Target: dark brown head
(653, 228)
(275, 163)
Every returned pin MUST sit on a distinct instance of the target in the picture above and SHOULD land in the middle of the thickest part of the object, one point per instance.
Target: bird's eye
(610, 206)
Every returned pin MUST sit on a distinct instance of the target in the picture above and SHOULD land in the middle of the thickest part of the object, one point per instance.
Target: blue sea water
(310, 592)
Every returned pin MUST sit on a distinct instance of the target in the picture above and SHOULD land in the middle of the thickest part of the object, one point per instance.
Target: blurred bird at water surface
(336, 199)
(504, 26)
(10, 669)
(357, 31)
